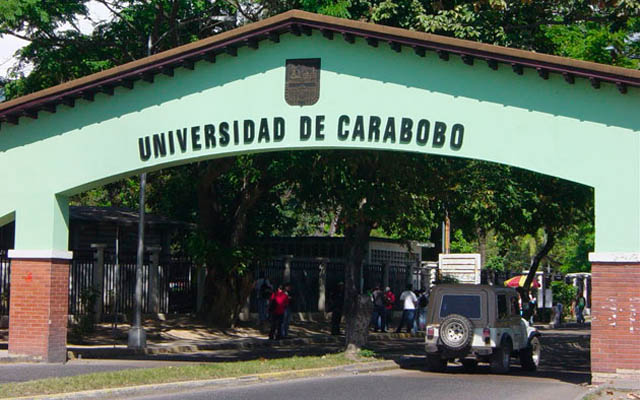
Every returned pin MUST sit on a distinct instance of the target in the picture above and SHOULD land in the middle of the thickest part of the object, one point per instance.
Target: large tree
(389, 191)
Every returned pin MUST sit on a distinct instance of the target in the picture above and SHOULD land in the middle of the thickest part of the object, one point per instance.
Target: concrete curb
(222, 382)
(18, 359)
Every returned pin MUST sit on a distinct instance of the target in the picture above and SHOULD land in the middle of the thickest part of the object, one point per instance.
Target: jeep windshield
(468, 305)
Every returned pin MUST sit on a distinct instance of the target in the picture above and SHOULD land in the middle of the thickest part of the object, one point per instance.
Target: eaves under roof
(302, 23)
(120, 216)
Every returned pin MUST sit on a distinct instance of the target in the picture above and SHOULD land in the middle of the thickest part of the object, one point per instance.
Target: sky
(10, 44)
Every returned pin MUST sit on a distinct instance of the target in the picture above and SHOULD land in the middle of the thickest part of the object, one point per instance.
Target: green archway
(571, 131)
(379, 88)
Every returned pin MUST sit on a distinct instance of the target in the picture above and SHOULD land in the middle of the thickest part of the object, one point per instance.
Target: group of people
(578, 305)
(414, 308)
(274, 306)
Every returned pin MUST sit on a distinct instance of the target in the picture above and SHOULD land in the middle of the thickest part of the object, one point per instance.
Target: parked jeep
(478, 323)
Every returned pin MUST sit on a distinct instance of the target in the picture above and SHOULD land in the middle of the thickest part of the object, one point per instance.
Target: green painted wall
(570, 131)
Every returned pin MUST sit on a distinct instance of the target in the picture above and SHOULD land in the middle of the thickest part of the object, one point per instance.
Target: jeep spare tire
(456, 332)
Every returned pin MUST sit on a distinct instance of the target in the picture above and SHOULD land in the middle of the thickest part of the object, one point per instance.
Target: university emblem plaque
(302, 81)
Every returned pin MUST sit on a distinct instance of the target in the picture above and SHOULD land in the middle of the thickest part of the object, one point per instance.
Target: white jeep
(473, 323)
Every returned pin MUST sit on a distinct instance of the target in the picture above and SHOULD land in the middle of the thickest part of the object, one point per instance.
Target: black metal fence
(5, 277)
(177, 282)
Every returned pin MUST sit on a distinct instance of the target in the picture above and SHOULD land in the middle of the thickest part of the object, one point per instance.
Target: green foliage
(460, 245)
(495, 263)
(572, 250)
(603, 43)
(366, 353)
(563, 293)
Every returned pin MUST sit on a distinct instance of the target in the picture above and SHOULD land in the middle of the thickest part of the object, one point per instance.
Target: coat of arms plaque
(302, 81)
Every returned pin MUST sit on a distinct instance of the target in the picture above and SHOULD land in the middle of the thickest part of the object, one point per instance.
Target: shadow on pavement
(564, 357)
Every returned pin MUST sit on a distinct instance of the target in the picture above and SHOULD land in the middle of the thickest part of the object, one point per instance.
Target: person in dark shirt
(337, 304)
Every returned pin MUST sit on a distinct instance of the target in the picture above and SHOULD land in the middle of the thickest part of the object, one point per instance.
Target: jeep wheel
(501, 358)
(530, 357)
(435, 363)
(456, 332)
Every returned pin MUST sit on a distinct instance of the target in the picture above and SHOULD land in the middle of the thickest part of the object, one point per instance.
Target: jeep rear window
(467, 305)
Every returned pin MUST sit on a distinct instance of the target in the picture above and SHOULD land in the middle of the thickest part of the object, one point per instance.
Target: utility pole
(137, 335)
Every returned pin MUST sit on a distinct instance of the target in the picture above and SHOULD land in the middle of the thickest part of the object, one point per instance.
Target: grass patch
(147, 376)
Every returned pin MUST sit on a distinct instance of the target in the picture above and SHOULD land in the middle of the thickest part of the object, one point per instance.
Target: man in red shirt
(279, 302)
(389, 299)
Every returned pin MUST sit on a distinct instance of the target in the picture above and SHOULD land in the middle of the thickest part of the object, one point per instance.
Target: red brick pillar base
(38, 308)
(615, 327)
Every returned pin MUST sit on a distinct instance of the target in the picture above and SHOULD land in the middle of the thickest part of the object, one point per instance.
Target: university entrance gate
(303, 81)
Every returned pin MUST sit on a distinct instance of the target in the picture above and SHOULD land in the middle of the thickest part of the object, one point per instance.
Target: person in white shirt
(409, 302)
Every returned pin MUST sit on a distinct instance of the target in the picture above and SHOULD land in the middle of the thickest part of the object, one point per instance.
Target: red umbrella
(518, 281)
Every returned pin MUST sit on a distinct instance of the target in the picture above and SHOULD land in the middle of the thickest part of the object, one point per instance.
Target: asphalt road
(396, 385)
(565, 357)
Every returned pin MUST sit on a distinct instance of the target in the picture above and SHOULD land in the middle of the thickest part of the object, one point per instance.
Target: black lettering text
(159, 145)
(457, 134)
(263, 132)
(224, 133)
(195, 138)
(182, 139)
(249, 131)
(358, 128)
(438, 134)
(209, 136)
(343, 122)
(319, 127)
(405, 130)
(390, 131)
(172, 147)
(278, 129)
(374, 128)
(422, 135)
(305, 128)
(144, 146)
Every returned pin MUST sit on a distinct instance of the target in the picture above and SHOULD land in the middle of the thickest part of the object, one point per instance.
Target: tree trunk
(357, 308)
(227, 286)
(482, 245)
(357, 323)
(224, 297)
(535, 263)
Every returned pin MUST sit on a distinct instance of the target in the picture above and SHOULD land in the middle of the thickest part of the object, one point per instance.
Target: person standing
(288, 289)
(580, 304)
(337, 304)
(379, 318)
(263, 290)
(423, 300)
(279, 302)
(409, 301)
(533, 304)
(389, 301)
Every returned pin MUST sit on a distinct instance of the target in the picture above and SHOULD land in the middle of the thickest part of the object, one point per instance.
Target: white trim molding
(41, 254)
(614, 257)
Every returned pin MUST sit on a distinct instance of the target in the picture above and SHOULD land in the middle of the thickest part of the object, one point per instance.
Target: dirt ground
(182, 328)
(614, 394)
